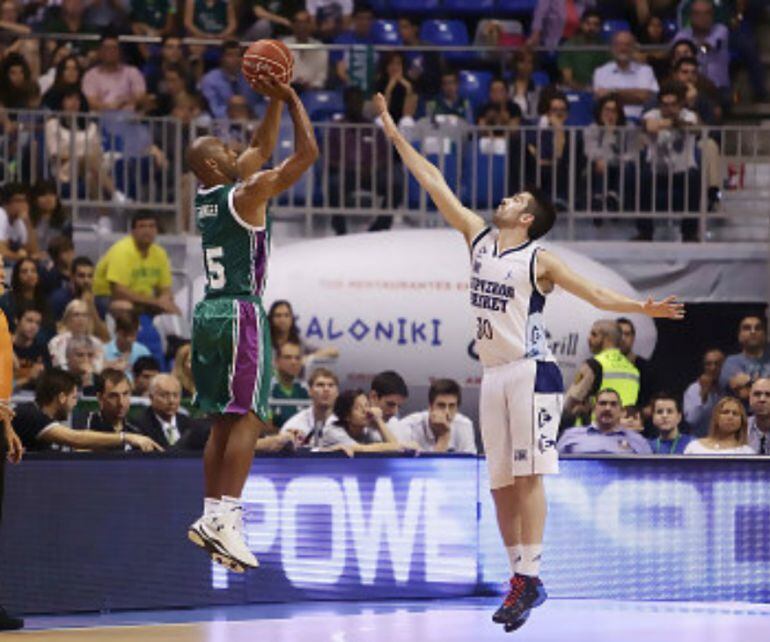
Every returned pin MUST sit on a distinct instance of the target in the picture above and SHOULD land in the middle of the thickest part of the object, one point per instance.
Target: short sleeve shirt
(30, 423)
(415, 427)
(14, 233)
(636, 76)
(113, 86)
(124, 264)
(336, 435)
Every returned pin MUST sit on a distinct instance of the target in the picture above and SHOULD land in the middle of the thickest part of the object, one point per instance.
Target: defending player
(231, 352)
(521, 390)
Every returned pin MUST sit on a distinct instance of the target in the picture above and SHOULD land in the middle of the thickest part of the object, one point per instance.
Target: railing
(590, 173)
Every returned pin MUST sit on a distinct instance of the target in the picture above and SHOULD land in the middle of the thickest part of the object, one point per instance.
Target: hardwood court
(427, 621)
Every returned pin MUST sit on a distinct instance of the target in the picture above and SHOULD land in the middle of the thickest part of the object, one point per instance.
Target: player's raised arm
(431, 179)
(552, 269)
(264, 185)
(266, 136)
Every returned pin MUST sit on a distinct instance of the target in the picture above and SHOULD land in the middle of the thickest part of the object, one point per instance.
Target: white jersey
(506, 302)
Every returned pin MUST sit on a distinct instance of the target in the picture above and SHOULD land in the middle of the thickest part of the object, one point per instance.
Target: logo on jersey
(206, 211)
(476, 267)
(490, 295)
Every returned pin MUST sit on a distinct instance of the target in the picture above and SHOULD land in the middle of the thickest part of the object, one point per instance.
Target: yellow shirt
(125, 265)
(6, 359)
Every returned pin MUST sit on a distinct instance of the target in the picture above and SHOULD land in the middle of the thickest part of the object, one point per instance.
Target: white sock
(514, 557)
(211, 506)
(229, 503)
(530, 559)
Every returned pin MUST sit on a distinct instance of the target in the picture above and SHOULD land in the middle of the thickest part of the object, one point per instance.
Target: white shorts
(520, 412)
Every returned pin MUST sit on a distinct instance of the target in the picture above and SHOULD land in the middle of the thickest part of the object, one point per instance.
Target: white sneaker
(197, 535)
(225, 533)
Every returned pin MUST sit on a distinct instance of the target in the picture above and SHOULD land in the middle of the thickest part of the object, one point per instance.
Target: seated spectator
(702, 394)
(78, 321)
(308, 425)
(13, 29)
(500, 104)
(577, 67)
(359, 428)
(330, 17)
(658, 58)
(172, 83)
(631, 419)
(213, 19)
(399, 92)
(759, 422)
(311, 66)
(164, 424)
(523, 90)
(667, 419)
(259, 19)
(286, 384)
(608, 368)
(122, 352)
(682, 48)
(153, 17)
(143, 371)
(283, 328)
(17, 234)
(137, 269)
(112, 84)
(182, 370)
(41, 424)
(172, 54)
(671, 158)
(605, 436)
(68, 74)
(388, 392)
(113, 394)
(29, 350)
(107, 14)
(702, 95)
(712, 40)
(441, 428)
(220, 84)
(354, 66)
(74, 148)
(728, 432)
(351, 148)
(421, 68)
(448, 104)
(612, 149)
(47, 214)
(753, 361)
(69, 17)
(18, 90)
(26, 290)
(647, 383)
(56, 267)
(80, 286)
(634, 82)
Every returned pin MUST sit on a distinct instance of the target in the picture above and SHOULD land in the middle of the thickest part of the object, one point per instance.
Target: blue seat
(468, 7)
(490, 179)
(323, 105)
(385, 32)
(540, 79)
(474, 85)
(611, 27)
(516, 6)
(581, 108)
(447, 163)
(415, 6)
(297, 194)
(670, 28)
(447, 33)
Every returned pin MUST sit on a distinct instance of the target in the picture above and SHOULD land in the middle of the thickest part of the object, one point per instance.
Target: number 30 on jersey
(483, 329)
(215, 271)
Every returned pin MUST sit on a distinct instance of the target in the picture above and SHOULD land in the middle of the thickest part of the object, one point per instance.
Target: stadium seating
(518, 7)
(581, 106)
(474, 85)
(447, 33)
(670, 27)
(541, 78)
(424, 7)
(490, 164)
(385, 32)
(469, 7)
(323, 105)
(611, 27)
(447, 163)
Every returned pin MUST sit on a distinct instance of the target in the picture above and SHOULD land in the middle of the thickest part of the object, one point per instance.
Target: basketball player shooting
(521, 388)
(231, 351)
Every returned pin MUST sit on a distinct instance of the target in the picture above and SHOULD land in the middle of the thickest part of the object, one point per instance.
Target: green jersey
(235, 253)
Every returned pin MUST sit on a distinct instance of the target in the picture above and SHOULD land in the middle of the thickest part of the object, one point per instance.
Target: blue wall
(86, 532)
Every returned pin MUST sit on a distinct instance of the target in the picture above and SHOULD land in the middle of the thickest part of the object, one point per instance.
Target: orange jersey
(6, 359)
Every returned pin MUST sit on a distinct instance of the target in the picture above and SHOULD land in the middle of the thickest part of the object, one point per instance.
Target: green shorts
(231, 356)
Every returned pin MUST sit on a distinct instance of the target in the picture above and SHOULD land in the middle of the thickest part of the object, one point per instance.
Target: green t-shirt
(282, 413)
(582, 63)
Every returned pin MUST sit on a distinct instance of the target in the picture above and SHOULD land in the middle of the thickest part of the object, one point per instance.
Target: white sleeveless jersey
(506, 302)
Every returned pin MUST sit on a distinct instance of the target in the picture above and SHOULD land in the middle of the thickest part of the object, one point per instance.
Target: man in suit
(162, 420)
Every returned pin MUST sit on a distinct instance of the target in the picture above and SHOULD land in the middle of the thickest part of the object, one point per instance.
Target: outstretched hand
(381, 109)
(668, 308)
(270, 87)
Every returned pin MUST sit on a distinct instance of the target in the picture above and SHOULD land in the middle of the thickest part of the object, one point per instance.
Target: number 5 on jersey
(214, 269)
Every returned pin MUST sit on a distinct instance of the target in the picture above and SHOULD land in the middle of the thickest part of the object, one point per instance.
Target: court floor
(415, 621)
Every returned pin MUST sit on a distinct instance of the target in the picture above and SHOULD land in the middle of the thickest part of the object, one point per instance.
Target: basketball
(268, 58)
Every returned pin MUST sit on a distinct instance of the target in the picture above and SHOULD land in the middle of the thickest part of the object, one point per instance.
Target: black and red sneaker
(525, 594)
